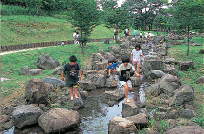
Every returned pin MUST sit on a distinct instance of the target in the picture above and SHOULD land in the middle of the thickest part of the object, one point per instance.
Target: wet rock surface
(58, 120)
(36, 91)
(26, 115)
(119, 125)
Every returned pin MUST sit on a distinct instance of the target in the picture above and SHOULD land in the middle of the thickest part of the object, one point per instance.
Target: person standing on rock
(73, 75)
(135, 33)
(135, 57)
(74, 37)
(141, 36)
(125, 70)
(115, 35)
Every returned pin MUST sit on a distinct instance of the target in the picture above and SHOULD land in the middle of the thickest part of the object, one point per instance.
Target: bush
(17, 10)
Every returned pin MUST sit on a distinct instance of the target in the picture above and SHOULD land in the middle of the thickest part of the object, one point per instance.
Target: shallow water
(96, 115)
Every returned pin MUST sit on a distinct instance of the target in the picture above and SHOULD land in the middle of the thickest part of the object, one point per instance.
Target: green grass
(11, 64)
(18, 30)
(189, 77)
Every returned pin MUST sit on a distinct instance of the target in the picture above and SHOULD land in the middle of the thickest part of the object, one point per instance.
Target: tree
(114, 16)
(145, 11)
(189, 14)
(85, 15)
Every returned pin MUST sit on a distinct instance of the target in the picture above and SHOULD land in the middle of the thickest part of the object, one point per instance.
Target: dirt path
(10, 52)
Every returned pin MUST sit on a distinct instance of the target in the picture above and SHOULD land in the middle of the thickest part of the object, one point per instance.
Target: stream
(95, 114)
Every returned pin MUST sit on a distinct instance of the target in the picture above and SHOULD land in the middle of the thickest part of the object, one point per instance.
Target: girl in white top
(135, 57)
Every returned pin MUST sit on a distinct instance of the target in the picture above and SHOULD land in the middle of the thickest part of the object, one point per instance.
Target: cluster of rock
(172, 101)
(44, 62)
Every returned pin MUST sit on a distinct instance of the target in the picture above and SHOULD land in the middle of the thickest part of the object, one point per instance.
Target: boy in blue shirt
(111, 67)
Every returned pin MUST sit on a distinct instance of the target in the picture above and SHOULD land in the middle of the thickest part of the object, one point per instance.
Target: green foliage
(152, 123)
(84, 16)
(189, 77)
(142, 12)
(199, 120)
(11, 64)
(17, 30)
(162, 126)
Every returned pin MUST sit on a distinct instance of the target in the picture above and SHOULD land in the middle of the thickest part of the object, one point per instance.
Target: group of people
(76, 37)
(125, 71)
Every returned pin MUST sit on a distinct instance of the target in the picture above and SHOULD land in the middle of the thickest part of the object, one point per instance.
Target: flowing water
(96, 115)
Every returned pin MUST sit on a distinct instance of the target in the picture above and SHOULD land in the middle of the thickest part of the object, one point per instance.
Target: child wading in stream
(135, 57)
(73, 75)
(112, 64)
(125, 70)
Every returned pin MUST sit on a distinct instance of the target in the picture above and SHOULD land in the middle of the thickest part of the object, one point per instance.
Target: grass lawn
(189, 77)
(11, 65)
(16, 29)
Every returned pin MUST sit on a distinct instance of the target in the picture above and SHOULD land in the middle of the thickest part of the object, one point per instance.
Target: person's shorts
(129, 84)
(135, 62)
(72, 84)
(140, 36)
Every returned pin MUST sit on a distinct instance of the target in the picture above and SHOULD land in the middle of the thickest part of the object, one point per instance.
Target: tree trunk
(188, 40)
(37, 12)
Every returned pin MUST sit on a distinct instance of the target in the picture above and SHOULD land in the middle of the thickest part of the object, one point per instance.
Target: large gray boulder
(112, 95)
(170, 69)
(185, 65)
(97, 57)
(200, 80)
(58, 120)
(87, 85)
(155, 74)
(140, 120)
(136, 81)
(187, 113)
(186, 130)
(26, 115)
(175, 43)
(34, 72)
(119, 125)
(182, 95)
(37, 91)
(99, 65)
(54, 82)
(47, 62)
(25, 70)
(57, 71)
(124, 45)
(111, 83)
(168, 84)
(149, 65)
(98, 79)
(129, 109)
(153, 90)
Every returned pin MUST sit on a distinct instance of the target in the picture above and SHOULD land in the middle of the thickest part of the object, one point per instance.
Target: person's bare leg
(71, 93)
(138, 68)
(75, 92)
(130, 88)
(126, 92)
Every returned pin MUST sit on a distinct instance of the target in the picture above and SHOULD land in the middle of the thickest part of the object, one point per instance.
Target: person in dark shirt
(126, 70)
(73, 75)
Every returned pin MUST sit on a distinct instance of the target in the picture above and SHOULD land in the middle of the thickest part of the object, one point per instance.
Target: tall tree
(85, 16)
(143, 10)
(189, 14)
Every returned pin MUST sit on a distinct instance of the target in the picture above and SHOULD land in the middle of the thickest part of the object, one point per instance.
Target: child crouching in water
(112, 64)
(73, 75)
(124, 70)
